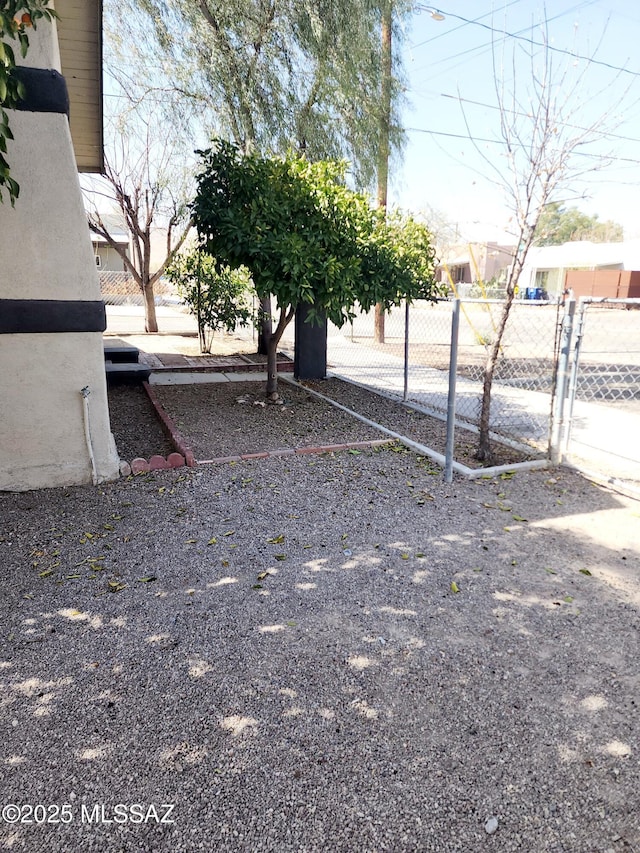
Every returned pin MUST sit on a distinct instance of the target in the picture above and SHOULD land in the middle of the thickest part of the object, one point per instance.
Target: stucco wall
(46, 244)
(46, 254)
(42, 425)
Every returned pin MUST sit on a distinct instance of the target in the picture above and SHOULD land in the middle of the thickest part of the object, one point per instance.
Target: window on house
(542, 279)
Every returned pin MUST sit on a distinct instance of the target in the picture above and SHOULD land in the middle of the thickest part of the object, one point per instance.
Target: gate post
(559, 411)
(575, 367)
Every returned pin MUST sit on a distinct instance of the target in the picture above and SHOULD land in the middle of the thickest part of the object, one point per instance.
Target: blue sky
(453, 58)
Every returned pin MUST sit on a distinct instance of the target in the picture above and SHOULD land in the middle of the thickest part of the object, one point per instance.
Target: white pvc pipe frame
(423, 450)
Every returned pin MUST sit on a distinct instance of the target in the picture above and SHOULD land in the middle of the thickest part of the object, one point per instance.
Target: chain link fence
(603, 432)
(413, 362)
(120, 288)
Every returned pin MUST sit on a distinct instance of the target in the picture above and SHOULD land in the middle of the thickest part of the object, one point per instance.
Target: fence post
(451, 398)
(558, 424)
(406, 350)
(575, 366)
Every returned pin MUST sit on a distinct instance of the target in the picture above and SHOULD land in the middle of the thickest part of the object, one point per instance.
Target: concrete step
(123, 372)
(117, 351)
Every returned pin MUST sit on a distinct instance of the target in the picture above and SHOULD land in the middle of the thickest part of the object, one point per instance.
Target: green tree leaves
(306, 237)
(558, 225)
(217, 296)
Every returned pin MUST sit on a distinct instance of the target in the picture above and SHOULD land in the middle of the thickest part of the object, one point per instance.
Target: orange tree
(306, 238)
(16, 16)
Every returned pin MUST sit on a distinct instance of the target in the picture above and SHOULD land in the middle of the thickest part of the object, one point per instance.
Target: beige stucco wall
(46, 253)
(42, 423)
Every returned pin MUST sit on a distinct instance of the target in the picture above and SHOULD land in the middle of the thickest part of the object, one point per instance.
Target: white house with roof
(546, 266)
(54, 419)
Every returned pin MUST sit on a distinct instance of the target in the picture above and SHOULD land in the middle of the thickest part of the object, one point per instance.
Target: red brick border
(185, 456)
(171, 429)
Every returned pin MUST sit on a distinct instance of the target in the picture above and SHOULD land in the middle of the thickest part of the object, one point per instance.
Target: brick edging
(171, 429)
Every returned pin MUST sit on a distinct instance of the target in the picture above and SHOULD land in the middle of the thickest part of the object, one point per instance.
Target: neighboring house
(54, 428)
(469, 263)
(107, 258)
(546, 267)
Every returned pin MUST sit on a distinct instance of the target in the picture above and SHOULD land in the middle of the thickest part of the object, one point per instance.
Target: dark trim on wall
(46, 316)
(45, 90)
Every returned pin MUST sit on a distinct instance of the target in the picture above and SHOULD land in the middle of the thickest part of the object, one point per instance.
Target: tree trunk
(484, 452)
(150, 321)
(266, 326)
(272, 369)
(378, 324)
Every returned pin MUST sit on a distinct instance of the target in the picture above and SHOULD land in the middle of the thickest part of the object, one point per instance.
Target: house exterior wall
(48, 286)
(110, 259)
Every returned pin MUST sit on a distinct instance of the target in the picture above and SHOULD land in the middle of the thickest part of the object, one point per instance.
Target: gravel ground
(224, 419)
(227, 418)
(277, 648)
(135, 424)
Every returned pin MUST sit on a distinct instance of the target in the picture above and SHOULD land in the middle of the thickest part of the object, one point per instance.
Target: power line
(535, 43)
(504, 143)
(603, 134)
(484, 47)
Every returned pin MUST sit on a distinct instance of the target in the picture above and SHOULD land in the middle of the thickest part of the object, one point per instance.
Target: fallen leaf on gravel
(149, 579)
(280, 557)
(568, 599)
(257, 586)
(404, 556)
(190, 541)
(585, 572)
(212, 541)
(47, 573)
(225, 563)
(27, 595)
(229, 533)
(507, 475)
(518, 518)
(72, 577)
(454, 587)
(551, 572)
(116, 586)
(263, 575)
(277, 540)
